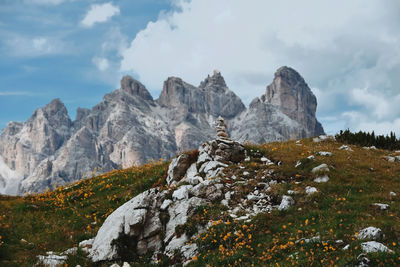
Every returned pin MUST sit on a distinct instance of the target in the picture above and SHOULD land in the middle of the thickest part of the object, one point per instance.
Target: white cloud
(41, 44)
(114, 41)
(376, 103)
(99, 13)
(377, 111)
(336, 45)
(101, 63)
(108, 59)
(361, 121)
(22, 46)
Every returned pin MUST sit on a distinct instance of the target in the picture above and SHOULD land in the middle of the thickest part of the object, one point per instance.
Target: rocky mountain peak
(289, 74)
(127, 127)
(216, 81)
(134, 87)
(55, 107)
(291, 94)
(178, 94)
(55, 113)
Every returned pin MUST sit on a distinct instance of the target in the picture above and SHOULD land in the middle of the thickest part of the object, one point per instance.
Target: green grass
(61, 219)
(341, 209)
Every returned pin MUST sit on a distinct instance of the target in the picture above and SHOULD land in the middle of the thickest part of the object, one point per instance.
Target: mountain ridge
(129, 127)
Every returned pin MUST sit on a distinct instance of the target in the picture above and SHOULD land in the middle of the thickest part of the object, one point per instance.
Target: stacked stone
(221, 128)
(223, 147)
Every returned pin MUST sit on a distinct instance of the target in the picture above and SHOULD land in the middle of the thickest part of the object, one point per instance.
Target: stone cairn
(224, 147)
(221, 128)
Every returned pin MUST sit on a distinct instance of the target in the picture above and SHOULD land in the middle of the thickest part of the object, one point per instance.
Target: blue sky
(76, 50)
(47, 53)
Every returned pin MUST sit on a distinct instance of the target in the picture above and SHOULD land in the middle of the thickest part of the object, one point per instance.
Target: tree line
(361, 138)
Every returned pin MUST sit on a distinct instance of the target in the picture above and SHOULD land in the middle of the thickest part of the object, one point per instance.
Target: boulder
(371, 233)
(311, 190)
(135, 218)
(322, 179)
(286, 203)
(321, 168)
(182, 192)
(373, 247)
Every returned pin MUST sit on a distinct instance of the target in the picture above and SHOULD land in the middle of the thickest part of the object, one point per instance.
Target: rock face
(286, 110)
(291, 94)
(129, 127)
(140, 218)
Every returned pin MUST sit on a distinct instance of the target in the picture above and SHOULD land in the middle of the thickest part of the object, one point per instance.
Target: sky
(77, 50)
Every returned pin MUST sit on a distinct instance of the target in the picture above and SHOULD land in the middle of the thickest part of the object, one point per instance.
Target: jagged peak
(214, 81)
(172, 82)
(54, 107)
(134, 87)
(173, 79)
(55, 113)
(289, 74)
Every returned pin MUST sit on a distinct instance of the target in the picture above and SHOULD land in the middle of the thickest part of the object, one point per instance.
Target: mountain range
(128, 127)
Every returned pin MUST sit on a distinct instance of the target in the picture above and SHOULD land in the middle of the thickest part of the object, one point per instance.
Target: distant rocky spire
(134, 87)
(215, 82)
(291, 94)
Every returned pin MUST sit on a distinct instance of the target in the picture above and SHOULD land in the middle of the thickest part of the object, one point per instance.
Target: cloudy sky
(77, 50)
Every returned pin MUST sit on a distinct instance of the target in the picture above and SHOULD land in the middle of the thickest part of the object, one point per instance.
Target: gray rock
(52, 259)
(286, 203)
(390, 158)
(137, 218)
(371, 233)
(292, 192)
(313, 239)
(363, 261)
(344, 147)
(175, 244)
(381, 206)
(321, 168)
(311, 190)
(86, 245)
(189, 251)
(178, 168)
(373, 247)
(179, 211)
(182, 192)
(322, 179)
(325, 153)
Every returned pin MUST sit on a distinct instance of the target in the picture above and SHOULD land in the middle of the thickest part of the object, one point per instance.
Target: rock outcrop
(286, 110)
(291, 94)
(140, 218)
(129, 127)
(151, 220)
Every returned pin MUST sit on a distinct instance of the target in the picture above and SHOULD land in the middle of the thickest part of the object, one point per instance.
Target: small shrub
(126, 247)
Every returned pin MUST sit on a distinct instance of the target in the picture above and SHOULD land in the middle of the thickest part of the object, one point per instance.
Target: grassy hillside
(58, 220)
(61, 219)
